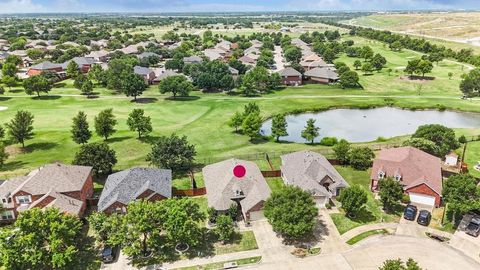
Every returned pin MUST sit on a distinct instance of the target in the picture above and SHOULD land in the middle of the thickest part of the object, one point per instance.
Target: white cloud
(19, 6)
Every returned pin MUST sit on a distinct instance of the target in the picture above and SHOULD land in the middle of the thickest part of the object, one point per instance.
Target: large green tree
(139, 122)
(133, 85)
(462, 194)
(97, 155)
(310, 132)
(80, 132)
(279, 126)
(177, 85)
(341, 150)
(251, 125)
(42, 239)
(361, 158)
(105, 123)
(353, 199)
(291, 212)
(173, 153)
(224, 228)
(20, 128)
(470, 84)
(443, 137)
(390, 192)
(37, 84)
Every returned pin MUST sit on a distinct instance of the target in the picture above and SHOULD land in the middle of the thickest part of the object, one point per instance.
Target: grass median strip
(364, 235)
(219, 265)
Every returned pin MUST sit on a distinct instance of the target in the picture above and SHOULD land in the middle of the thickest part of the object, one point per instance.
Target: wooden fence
(193, 192)
(274, 173)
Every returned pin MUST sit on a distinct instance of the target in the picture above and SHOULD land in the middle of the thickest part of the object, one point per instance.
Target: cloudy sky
(27, 6)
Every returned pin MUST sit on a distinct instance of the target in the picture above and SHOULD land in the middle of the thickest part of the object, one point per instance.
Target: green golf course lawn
(203, 118)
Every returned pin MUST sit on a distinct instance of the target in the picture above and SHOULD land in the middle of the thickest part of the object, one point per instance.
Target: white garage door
(422, 199)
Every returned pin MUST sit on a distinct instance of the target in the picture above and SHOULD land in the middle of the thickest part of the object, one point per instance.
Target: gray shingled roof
(289, 72)
(46, 65)
(63, 178)
(306, 169)
(142, 70)
(147, 54)
(192, 59)
(322, 72)
(63, 202)
(221, 184)
(125, 186)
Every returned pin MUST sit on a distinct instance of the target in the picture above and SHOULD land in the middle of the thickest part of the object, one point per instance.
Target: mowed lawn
(203, 118)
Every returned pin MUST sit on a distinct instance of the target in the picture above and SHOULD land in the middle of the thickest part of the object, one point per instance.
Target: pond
(364, 125)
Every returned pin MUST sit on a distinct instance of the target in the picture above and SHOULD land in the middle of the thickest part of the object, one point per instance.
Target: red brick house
(126, 186)
(45, 66)
(65, 187)
(290, 76)
(419, 173)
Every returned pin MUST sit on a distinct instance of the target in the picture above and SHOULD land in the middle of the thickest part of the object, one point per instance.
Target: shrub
(329, 141)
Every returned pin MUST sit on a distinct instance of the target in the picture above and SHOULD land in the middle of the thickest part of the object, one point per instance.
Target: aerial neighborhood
(259, 140)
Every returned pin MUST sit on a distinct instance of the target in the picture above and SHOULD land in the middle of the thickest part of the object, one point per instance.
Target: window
(398, 177)
(381, 174)
(26, 199)
(6, 215)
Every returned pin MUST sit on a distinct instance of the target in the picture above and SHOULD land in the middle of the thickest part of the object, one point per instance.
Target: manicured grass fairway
(203, 118)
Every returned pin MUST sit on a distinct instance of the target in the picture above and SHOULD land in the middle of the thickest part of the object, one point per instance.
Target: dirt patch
(417, 79)
(14, 150)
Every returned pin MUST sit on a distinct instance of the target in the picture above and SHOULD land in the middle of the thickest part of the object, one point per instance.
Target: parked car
(410, 212)
(473, 228)
(424, 217)
(109, 254)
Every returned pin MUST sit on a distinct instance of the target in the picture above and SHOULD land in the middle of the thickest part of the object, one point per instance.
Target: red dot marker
(239, 171)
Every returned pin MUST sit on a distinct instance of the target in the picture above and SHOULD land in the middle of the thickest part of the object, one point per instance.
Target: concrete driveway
(278, 58)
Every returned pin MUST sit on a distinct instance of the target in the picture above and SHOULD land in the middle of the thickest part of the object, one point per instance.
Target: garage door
(422, 199)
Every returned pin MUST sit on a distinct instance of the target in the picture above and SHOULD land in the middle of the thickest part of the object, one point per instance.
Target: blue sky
(25, 6)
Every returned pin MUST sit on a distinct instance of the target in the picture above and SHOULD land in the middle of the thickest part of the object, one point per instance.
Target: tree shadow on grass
(150, 139)
(87, 257)
(15, 90)
(260, 140)
(118, 139)
(187, 98)
(40, 146)
(145, 100)
(363, 216)
(319, 234)
(12, 165)
(60, 85)
(50, 97)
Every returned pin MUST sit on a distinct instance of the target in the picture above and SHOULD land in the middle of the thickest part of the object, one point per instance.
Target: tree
(357, 64)
(366, 52)
(311, 131)
(390, 192)
(42, 239)
(470, 84)
(9, 81)
(400, 265)
(37, 84)
(412, 66)
(79, 80)
(72, 69)
(422, 144)
(2, 90)
(293, 54)
(9, 69)
(236, 121)
(279, 126)
(80, 132)
(341, 150)
(461, 193)
(378, 62)
(450, 75)
(173, 153)
(177, 85)
(133, 85)
(361, 158)
(20, 128)
(181, 220)
(349, 79)
(140, 123)
(105, 123)
(251, 125)
(424, 66)
(87, 88)
(95, 72)
(396, 46)
(291, 212)
(443, 137)
(353, 199)
(435, 57)
(462, 139)
(367, 68)
(3, 157)
(224, 228)
(97, 155)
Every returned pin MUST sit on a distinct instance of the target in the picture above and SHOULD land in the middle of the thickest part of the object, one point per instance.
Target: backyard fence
(193, 192)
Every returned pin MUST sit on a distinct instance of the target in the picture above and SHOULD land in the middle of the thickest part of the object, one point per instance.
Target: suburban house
(235, 73)
(126, 186)
(84, 64)
(147, 54)
(162, 73)
(247, 60)
(45, 66)
(98, 56)
(249, 192)
(214, 54)
(290, 76)
(312, 172)
(131, 49)
(419, 173)
(313, 61)
(146, 73)
(321, 75)
(66, 187)
(192, 59)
